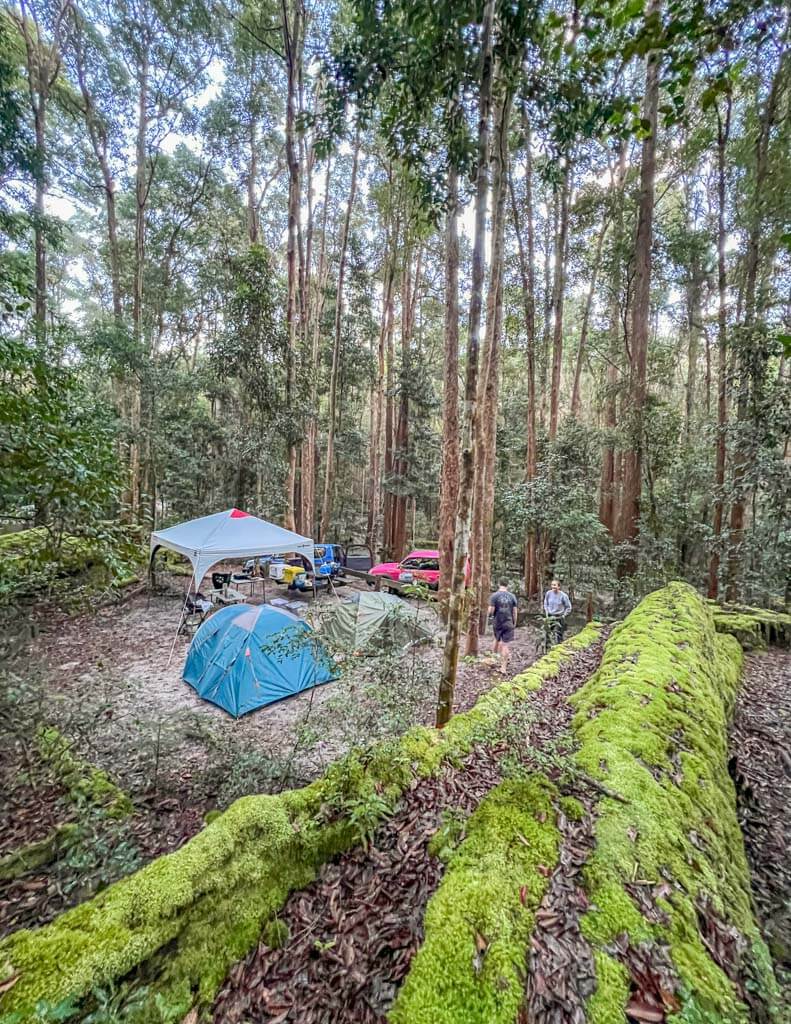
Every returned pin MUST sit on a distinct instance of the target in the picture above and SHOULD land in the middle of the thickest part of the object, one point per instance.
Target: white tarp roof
(229, 534)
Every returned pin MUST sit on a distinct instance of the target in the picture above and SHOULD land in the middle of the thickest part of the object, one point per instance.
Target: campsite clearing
(104, 681)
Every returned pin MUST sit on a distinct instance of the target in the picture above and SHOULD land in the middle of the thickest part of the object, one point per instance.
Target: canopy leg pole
(181, 619)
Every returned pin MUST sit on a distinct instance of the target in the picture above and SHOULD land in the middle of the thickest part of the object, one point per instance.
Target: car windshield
(420, 563)
(319, 552)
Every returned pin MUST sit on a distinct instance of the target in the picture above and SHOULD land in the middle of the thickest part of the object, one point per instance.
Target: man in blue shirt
(502, 605)
(557, 604)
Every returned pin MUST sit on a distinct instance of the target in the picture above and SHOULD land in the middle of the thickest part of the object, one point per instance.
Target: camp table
(250, 582)
(227, 596)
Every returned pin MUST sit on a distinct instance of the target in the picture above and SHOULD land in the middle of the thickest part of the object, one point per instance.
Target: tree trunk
(292, 43)
(575, 393)
(449, 483)
(309, 448)
(723, 134)
(43, 67)
(633, 456)
(550, 242)
(142, 185)
(483, 495)
(607, 492)
(252, 175)
(329, 470)
(527, 273)
(378, 404)
(558, 298)
(470, 429)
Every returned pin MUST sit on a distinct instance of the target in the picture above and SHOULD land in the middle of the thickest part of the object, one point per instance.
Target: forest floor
(352, 934)
(104, 680)
(761, 766)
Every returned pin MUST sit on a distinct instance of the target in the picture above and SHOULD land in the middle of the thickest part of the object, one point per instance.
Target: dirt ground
(108, 682)
(118, 663)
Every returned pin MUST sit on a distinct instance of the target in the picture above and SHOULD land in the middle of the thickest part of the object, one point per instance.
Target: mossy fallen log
(470, 968)
(669, 865)
(85, 783)
(754, 628)
(31, 560)
(186, 917)
(667, 882)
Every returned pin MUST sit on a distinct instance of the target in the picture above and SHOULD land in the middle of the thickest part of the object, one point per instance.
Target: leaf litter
(353, 932)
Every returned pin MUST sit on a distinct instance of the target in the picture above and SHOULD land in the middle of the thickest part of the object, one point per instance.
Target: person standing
(558, 605)
(502, 605)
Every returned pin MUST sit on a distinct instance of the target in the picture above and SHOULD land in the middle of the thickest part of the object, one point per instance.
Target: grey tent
(376, 620)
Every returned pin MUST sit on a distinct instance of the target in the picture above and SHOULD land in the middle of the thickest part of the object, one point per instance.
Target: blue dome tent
(246, 656)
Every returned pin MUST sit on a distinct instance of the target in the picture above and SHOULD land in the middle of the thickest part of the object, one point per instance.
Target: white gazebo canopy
(230, 534)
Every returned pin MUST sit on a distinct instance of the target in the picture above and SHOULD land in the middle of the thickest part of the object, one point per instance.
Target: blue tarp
(245, 656)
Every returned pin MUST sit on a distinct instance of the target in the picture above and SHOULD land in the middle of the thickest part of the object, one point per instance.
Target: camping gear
(232, 534)
(329, 559)
(195, 611)
(247, 656)
(376, 620)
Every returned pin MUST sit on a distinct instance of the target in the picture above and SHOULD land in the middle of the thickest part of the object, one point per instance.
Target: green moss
(35, 855)
(752, 627)
(606, 1005)
(208, 902)
(652, 725)
(572, 808)
(85, 783)
(478, 924)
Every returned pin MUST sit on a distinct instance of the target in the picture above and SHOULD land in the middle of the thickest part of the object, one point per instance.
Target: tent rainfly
(230, 534)
(247, 656)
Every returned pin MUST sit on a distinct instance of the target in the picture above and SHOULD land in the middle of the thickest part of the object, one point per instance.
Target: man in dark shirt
(502, 605)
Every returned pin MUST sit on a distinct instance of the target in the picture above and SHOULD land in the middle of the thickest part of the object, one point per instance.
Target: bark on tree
(527, 275)
(292, 44)
(42, 59)
(316, 307)
(550, 243)
(329, 470)
(410, 289)
(374, 508)
(723, 134)
(449, 482)
(142, 188)
(633, 456)
(558, 298)
(586, 315)
(470, 428)
(607, 491)
(488, 388)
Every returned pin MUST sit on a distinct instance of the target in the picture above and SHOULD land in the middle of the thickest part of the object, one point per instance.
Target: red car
(420, 566)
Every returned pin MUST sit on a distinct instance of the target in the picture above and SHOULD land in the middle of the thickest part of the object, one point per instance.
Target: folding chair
(195, 611)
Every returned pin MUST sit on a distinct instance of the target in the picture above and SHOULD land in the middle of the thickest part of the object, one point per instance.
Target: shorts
(504, 633)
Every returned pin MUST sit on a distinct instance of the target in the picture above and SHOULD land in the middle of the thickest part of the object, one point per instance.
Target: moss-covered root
(478, 924)
(752, 627)
(186, 917)
(84, 783)
(652, 724)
